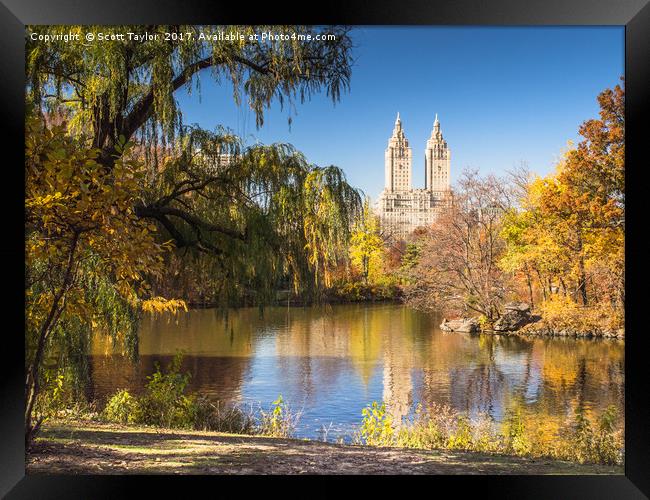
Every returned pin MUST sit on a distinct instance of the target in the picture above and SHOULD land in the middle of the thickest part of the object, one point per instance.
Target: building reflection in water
(331, 361)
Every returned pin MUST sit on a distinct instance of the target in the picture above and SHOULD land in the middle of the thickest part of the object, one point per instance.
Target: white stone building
(401, 208)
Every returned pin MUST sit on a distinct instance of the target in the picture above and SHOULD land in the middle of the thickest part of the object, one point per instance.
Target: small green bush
(485, 323)
(121, 407)
(377, 426)
(516, 438)
(461, 438)
(423, 431)
(163, 402)
(280, 421)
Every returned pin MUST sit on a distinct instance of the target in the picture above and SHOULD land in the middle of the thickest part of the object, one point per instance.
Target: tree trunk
(366, 269)
(621, 290)
(582, 283)
(541, 284)
(32, 382)
(529, 281)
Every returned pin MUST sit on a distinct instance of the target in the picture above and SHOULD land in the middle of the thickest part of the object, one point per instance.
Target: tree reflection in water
(331, 361)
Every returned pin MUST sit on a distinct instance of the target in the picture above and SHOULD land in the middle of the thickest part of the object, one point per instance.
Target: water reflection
(331, 361)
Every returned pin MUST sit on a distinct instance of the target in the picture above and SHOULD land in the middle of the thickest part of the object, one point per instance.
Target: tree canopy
(125, 90)
(127, 87)
(570, 231)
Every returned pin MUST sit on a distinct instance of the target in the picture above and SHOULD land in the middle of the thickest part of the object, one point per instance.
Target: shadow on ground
(108, 449)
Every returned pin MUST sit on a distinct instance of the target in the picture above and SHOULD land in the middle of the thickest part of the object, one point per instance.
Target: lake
(331, 361)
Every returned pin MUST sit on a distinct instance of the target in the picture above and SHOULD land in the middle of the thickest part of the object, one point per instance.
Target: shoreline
(527, 330)
(90, 447)
(544, 333)
(558, 334)
(297, 303)
(519, 319)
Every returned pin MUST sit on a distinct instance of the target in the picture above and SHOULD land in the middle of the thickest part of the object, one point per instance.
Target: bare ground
(98, 448)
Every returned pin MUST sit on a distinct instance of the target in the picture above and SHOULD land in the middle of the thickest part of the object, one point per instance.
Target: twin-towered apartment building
(401, 208)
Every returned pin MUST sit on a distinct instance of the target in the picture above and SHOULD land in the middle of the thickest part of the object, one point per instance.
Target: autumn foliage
(88, 256)
(556, 242)
(568, 234)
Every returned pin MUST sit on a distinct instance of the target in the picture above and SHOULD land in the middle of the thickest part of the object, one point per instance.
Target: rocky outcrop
(516, 315)
(542, 329)
(517, 319)
(463, 325)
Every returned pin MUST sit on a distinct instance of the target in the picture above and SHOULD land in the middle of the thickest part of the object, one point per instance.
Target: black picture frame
(633, 14)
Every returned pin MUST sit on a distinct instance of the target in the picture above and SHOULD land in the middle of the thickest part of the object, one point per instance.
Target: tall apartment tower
(400, 207)
(398, 160)
(437, 158)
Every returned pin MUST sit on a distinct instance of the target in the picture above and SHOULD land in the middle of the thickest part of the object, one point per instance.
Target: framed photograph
(379, 243)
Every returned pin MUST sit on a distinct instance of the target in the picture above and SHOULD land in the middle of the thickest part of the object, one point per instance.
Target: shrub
(209, 416)
(607, 445)
(439, 428)
(485, 323)
(485, 437)
(461, 438)
(377, 426)
(60, 397)
(443, 428)
(163, 402)
(600, 445)
(516, 438)
(355, 291)
(121, 407)
(425, 431)
(560, 313)
(280, 421)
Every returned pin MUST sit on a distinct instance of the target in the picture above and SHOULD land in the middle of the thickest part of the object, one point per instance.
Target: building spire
(398, 125)
(435, 133)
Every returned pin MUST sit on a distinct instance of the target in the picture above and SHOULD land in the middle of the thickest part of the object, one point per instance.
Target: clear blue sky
(503, 95)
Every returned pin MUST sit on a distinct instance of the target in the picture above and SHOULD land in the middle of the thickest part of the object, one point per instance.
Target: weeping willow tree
(249, 219)
(269, 213)
(124, 183)
(127, 87)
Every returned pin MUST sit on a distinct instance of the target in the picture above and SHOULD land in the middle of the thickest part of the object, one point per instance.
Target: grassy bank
(89, 447)
(584, 437)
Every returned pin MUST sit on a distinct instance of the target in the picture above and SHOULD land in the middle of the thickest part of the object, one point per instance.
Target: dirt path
(95, 448)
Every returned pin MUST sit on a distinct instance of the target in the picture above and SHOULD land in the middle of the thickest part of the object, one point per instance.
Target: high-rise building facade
(398, 159)
(401, 208)
(437, 161)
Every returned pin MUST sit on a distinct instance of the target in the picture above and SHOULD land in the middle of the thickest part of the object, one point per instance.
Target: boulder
(516, 315)
(464, 325)
(517, 306)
